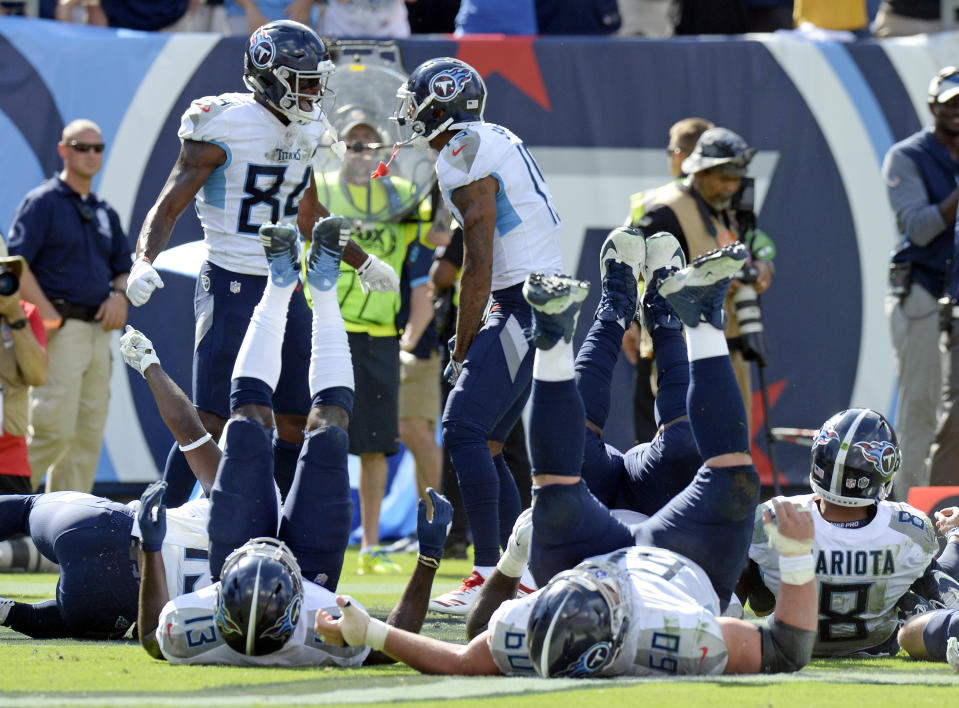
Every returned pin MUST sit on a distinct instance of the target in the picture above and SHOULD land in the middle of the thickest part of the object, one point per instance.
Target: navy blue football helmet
(854, 458)
(287, 65)
(259, 598)
(441, 94)
(578, 624)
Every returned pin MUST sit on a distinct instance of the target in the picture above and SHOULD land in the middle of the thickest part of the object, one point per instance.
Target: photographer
(23, 363)
(708, 209)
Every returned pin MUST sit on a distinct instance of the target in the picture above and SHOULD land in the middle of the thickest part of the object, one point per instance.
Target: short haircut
(683, 134)
(77, 126)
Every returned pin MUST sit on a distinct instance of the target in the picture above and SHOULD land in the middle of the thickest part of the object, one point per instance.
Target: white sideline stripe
(859, 169)
(136, 137)
(429, 689)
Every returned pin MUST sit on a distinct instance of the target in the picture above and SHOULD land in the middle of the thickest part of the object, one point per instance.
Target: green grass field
(75, 673)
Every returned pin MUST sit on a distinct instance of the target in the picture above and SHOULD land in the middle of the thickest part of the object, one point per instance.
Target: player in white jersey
(643, 608)
(246, 160)
(869, 552)
(511, 228)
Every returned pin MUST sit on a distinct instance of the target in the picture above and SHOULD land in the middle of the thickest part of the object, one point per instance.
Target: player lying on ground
(875, 559)
(657, 580)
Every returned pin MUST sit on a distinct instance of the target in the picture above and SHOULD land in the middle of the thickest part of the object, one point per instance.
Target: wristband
(797, 570)
(376, 632)
(196, 443)
(510, 566)
(428, 561)
(783, 544)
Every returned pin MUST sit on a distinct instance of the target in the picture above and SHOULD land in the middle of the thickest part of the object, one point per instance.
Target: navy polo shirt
(72, 257)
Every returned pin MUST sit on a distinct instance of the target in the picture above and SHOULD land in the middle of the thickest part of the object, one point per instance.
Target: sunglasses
(86, 147)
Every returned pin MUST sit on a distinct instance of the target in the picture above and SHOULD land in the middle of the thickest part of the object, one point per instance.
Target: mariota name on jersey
(859, 563)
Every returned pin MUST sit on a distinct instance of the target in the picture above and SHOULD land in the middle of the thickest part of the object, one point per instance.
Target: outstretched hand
(431, 534)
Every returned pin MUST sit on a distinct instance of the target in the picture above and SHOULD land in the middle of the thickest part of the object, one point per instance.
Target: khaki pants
(69, 412)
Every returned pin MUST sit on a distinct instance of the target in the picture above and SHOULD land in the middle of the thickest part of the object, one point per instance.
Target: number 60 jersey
(862, 572)
(672, 627)
(267, 169)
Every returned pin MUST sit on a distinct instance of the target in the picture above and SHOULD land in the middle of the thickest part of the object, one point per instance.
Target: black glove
(432, 534)
(152, 531)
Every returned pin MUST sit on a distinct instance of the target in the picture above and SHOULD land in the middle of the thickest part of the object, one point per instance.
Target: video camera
(9, 281)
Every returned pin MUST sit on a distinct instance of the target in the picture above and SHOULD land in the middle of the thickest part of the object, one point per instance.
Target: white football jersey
(267, 169)
(527, 233)
(672, 620)
(188, 635)
(185, 546)
(862, 572)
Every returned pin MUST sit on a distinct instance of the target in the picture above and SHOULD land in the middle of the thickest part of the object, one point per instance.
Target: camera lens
(9, 282)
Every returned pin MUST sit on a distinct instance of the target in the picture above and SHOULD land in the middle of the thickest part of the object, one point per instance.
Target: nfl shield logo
(205, 282)
(234, 286)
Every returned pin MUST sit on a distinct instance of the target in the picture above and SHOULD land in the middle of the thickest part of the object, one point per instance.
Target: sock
(248, 390)
(479, 486)
(330, 362)
(705, 341)
(39, 621)
(318, 512)
(509, 504)
(717, 415)
(673, 367)
(179, 478)
(285, 456)
(595, 363)
(554, 364)
(259, 354)
(557, 429)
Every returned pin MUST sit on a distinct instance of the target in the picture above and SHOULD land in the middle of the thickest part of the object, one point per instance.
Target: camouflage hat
(719, 149)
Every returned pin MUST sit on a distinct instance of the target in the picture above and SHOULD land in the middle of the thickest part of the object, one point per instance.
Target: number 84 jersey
(672, 626)
(267, 169)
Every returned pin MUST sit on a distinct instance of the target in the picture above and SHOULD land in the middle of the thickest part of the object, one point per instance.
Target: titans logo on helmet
(262, 50)
(285, 624)
(825, 436)
(883, 455)
(590, 661)
(448, 85)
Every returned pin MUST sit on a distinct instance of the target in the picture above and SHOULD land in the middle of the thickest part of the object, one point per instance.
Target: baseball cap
(720, 149)
(944, 85)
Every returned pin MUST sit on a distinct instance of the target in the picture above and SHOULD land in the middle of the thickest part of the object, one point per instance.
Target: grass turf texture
(82, 673)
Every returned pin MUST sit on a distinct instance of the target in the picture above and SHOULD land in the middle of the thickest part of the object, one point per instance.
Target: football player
(870, 553)
(649, 604)
(511, 228)
(245, 159)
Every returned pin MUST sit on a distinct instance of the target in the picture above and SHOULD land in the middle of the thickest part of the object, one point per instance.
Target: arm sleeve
(918, 220)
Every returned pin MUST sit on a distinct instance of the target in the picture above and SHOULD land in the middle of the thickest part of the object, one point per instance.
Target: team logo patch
(825, 436)
(449, 84)
(590, 661)
(205, 282)
(882, 454)
(262, 50)
(235, 286)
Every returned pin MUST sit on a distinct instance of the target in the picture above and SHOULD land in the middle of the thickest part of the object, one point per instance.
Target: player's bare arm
(476, 203)
(193, 167)
(153, 596)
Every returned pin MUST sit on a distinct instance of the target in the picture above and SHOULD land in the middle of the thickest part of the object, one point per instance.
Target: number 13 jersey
(267, 169)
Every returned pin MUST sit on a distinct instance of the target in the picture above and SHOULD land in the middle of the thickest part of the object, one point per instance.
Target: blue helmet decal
(449, 84)
(262, 49)
(882, 454)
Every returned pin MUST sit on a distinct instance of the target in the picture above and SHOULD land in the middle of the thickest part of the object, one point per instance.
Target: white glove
(357, 627)
(375, 275)
(513, 562)
(141, 283)
(137, 351)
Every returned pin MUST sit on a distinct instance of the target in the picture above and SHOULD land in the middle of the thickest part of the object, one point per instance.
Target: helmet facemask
(299, 95)
(409, 115)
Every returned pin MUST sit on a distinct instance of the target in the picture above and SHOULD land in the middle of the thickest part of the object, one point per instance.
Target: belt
(74, 311)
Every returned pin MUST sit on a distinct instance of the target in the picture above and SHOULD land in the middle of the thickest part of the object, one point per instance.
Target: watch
(18, 324)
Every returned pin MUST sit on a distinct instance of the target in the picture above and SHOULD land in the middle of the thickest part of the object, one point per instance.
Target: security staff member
(698, 210)
(80, 258)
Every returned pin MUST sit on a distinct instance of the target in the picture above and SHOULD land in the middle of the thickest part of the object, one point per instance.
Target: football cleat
(375, 561)
(329, 239)
(555, 300)
(620, 266)
(697, 291)
(952, 653)
(282, 246)
(664, 256)
(460, 600)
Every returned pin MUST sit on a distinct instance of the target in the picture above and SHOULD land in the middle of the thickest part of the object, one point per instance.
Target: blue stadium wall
(595, 114)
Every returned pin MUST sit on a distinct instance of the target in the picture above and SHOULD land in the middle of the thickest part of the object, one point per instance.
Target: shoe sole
(708, 269)
(554, 294)
(626, 246)
(657, 246)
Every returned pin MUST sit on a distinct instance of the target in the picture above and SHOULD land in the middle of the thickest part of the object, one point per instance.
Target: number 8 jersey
(672, 626)
(527, 231)
(267, 169)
